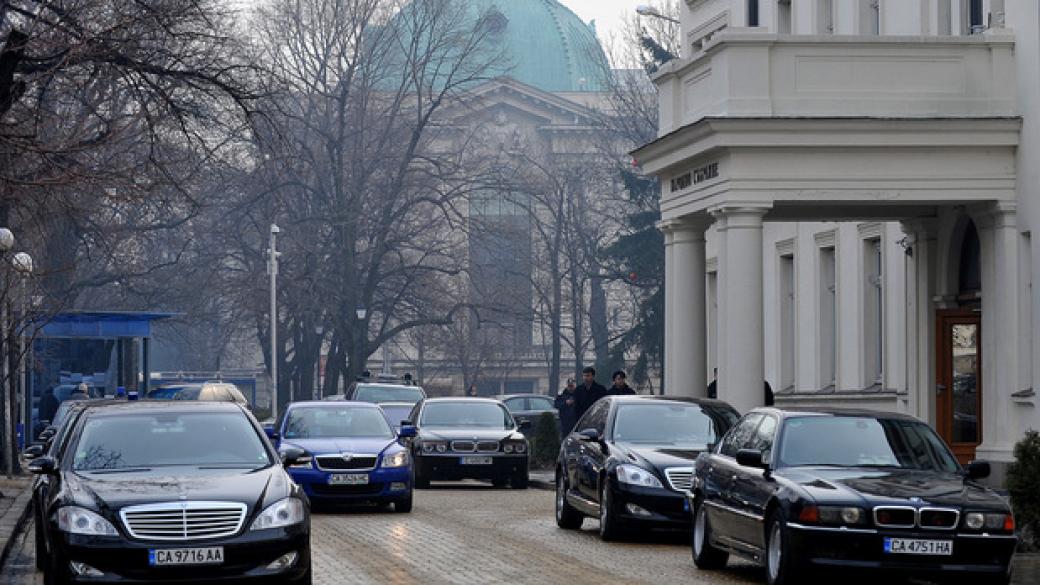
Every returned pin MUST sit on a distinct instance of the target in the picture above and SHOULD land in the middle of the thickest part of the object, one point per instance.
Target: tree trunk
(598, 321)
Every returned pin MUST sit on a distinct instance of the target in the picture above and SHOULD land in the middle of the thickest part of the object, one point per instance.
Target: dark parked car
(396, 412)
(804, 491)
(629, 461)
(468, 438)
(208, 391)
(348, 454)
(530, 407)
(184, 492)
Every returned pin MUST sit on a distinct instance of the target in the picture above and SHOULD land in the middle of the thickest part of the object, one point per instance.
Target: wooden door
(959, 381)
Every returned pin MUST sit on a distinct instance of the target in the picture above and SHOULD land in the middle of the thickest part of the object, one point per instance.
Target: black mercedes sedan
(171, 492)
(467, 438)
(805, 491)
(629, 461)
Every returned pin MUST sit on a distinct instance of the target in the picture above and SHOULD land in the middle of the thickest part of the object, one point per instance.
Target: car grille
(680, 478)
(895, 517)
(183, 520)
(487, 446)
(464, 446)
(938, 518)
(346, 462)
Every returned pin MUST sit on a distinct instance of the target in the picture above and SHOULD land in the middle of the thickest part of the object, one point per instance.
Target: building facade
(849, 189)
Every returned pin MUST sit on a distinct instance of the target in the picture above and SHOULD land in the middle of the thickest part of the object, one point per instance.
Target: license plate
(476, 461)
(915, 546)
(213, 555)
(348, 479)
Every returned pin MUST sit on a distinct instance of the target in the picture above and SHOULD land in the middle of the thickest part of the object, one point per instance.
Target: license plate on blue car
(348, 479)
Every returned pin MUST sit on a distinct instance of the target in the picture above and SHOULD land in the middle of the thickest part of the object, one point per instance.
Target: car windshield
(63, 411)
(335, 422)
(396, 414)
(377, 393)
(680, 425)
(165, 393)
(454, 415)
(854, 441)
(132, 440)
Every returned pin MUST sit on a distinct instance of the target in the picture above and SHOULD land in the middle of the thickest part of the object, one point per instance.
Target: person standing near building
(566, 404)
(621, 387)
(589, 392)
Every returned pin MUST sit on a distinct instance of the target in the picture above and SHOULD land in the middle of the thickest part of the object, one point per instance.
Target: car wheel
(567, 516)
(520, 480)
(781, 566)
(705, 555)
(609, 526)
(41, 547)
(404, 505)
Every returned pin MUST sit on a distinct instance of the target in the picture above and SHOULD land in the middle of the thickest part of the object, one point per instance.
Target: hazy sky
(606, 13)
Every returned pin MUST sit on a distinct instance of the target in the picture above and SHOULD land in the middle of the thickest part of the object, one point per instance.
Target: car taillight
(1009, 523)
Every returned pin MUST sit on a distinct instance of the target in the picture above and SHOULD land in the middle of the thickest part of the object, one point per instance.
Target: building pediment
(506, 96)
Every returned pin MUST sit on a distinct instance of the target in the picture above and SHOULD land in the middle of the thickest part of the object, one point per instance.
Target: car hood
(109, 492)
(469, 434)
(341, 445)
(892, 486)
(660, 457)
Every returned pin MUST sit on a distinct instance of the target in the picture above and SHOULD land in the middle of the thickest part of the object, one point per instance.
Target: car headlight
(974, 521)
(399, 459)
(76, 520)
(281, 513)
(434, 447)
(841, 515)
(519, 447)
(634, 475)
(990, 522)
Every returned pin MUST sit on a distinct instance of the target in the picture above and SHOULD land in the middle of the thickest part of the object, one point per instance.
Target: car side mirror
(33, 451)
(524, 425)
(750, 458)
(43, 466)
(978, 470)
(407, 431)
(589, 436)
(291, 455)
(47, 433)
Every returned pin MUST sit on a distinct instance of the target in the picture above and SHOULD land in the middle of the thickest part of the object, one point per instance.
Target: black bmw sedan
(467, 438)
(171, 492)
(805, 491)
(629, 461)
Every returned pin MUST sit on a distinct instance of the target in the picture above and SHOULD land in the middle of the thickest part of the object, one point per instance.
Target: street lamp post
(651, 12)
(362, 313)
(23, 265)
(6, 244)
(320, 332)
(272, 270)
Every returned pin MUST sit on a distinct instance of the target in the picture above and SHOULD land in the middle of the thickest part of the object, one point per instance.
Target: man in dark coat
(567, 405)
(48, 405)
(621, 387)
(589, 392)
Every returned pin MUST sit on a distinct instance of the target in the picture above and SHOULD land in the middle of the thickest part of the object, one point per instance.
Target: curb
(9, 532)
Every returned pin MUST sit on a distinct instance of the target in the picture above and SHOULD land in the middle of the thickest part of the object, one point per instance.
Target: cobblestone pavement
(469, 534)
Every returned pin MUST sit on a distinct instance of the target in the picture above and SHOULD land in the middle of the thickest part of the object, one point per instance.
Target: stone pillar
(922, 240)
(742, 368)
(689, 341)
(669, 300)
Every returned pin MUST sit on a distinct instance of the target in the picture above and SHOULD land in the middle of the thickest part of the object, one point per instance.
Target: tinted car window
(535, 403)
(488, 415)
(396, 414)
(765, 435)
(678, 424)
(740, 436)
(595, 418)
(188, 394)
(168, 439)
(515, 404)
(376, 393)
(327, 422)
(849, 441)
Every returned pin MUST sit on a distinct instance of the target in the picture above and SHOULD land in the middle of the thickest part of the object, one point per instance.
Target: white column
(742, 370)
(998, 236)
(689, 347)
(669, 300)
(920, 320)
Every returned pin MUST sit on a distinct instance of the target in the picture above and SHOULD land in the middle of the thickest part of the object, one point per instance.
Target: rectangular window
(787, 336)
(825, 17)
(869, 17)
(828, 322)
(873, 311)
(975, 17)
(752, 13)
(783, 17)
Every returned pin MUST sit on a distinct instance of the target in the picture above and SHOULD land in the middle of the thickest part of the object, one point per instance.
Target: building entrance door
(959, 381)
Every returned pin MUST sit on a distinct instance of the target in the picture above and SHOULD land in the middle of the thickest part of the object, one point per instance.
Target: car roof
(525, 395)
(475, 399)
(388, 384)
(333, 404)
(792, 412)
(400, 404)
(686, 399)
(119, 407)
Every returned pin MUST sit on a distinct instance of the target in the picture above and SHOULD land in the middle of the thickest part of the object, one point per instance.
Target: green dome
(545, 45)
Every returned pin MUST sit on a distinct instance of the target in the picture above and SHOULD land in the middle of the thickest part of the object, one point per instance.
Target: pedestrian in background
(567, 405)
(473, 390)
(48, 405)
(589, 392)
(713, 388)
(82, 392)
(621, 387)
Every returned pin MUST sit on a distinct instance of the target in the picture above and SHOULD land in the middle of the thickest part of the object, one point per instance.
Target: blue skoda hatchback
(346, 453)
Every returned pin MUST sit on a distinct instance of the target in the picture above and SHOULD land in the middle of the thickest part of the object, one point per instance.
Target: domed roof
(544, 44)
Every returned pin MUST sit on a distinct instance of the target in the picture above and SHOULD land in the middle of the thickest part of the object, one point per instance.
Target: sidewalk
(14, 511)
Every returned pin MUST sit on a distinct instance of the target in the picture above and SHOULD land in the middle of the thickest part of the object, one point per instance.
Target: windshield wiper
(117, 470)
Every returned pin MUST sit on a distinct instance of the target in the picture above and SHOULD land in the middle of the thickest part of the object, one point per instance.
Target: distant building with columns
(849, 189)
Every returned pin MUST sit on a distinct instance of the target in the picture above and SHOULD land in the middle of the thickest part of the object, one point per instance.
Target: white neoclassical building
(849, 190)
